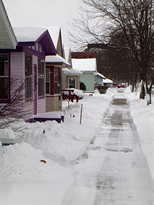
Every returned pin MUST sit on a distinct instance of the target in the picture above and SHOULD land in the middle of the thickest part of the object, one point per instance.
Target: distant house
(99, 79)
(70, 77)
(90, 77)
(22, 56)
(54, 65)
(108, 82)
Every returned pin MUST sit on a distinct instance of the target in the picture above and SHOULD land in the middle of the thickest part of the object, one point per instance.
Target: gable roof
(85, 65)
(107, 81)
(30, 35)
(54, 32)
(7, 37)
(100, 75)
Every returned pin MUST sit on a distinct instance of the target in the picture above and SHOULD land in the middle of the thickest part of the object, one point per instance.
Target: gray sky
(42, 13)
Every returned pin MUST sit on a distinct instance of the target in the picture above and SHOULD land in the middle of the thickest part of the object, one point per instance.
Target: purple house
(22, 57)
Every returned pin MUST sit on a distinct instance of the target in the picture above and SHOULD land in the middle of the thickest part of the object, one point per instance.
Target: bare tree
(12, 110)
(134, 18)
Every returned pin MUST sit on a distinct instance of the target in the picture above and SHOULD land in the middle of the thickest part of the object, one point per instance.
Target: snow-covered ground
(38, 169)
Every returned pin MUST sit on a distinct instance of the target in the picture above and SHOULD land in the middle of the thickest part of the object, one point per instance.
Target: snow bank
(7, 136)
(36, 170)
(56, 142)
(143, 117)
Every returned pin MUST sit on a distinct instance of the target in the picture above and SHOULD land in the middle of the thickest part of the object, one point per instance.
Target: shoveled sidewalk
(123, 176)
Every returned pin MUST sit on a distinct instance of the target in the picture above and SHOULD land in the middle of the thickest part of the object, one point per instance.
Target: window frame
(57, 80)
(69, 82)
(28, 77)
(6, 77)
(41, 78)
(47, 81)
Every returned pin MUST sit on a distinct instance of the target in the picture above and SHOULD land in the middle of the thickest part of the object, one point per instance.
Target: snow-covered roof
(56, 59)
(75, 72)
(28, 34)
(54, 32)
(107, 81)
(87, 64)
(65, 71)
(7, 37)
(99, 74)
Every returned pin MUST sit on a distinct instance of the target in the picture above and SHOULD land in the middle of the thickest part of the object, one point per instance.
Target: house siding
(53, 103)
(17, 74)
(41, 106)
(88, 80)
(17, 71)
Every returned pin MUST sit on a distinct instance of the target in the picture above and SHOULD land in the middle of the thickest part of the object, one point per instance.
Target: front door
(35, 89)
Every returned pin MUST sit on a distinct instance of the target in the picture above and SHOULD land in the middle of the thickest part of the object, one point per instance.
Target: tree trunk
(148, 89)
(142, 94)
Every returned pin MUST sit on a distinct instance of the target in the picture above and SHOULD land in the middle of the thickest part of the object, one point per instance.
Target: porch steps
(54, 115)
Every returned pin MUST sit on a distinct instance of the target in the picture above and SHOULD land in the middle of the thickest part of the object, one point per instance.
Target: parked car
(121, 86)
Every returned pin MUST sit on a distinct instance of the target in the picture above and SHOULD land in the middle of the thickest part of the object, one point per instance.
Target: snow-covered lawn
(38, 169)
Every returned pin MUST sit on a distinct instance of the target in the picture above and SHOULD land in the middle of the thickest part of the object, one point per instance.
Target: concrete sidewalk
(124, 176)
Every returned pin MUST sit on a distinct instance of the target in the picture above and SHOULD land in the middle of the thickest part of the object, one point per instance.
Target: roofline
(8, 25)
(45, 40)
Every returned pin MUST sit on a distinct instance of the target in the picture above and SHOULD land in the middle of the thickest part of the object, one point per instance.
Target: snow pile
(143, 117)
(56, 142)
(6, 134)
(22, 161)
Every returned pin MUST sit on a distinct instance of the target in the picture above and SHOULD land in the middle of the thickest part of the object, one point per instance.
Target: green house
(90, 77)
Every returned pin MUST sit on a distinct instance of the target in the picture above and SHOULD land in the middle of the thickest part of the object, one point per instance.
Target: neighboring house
(70, 77)
(108, 82)
(86, 54)
(99, 79)
(24, 59)
(89, 75)
(54, 65)
(8, 39)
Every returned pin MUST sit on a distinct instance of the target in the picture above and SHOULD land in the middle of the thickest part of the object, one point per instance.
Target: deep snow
(39, 168)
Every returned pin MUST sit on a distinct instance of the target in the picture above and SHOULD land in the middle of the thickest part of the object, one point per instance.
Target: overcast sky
(42, 13)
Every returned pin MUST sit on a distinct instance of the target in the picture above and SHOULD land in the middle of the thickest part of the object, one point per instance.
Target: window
(47, 81)
(4, 80)
(28, 76)
(71, 82)
(57, 79)
(40, 77)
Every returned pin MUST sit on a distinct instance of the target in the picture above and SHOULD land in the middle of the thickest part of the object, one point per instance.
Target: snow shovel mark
(112, 149)
(125, 150)
(96, 148)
